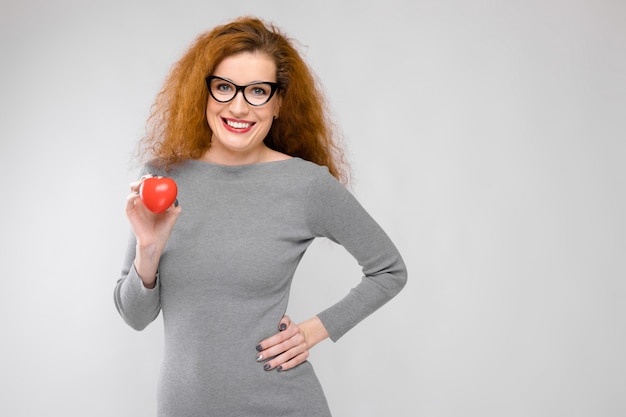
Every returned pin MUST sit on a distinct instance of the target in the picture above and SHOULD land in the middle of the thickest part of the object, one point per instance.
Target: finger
(284, 323)
(295, 361)
(131, 200)
(297, 341)
(135, 185)
(174, 210)
(287, 360)
(278, 338)
(175, 206)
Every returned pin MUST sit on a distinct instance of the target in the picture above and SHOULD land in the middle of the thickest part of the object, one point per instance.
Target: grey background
(486, 137)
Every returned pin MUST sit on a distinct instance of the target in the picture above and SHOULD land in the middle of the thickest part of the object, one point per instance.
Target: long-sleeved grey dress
(224, 281)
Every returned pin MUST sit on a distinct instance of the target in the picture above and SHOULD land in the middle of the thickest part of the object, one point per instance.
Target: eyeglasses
(256, 94)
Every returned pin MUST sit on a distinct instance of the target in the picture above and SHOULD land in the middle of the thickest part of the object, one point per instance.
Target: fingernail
(282, 327)
(259, 348)
(176, 203)
(259, 358)
(267, 367)
(280, 368)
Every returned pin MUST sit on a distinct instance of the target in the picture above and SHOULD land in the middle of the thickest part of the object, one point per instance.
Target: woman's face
(238, 127)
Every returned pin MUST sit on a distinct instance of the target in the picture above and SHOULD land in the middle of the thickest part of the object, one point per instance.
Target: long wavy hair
(177, 128)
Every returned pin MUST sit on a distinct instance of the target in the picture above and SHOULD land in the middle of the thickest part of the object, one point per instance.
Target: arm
(137, 293)
(137, 305)
(337, 215)
(333, 212)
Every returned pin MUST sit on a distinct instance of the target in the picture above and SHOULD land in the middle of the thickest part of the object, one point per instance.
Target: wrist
(314, 331)
(148, 272)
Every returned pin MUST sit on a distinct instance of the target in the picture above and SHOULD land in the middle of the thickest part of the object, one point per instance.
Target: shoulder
(309, 168)
(322, 186)
(312, 174)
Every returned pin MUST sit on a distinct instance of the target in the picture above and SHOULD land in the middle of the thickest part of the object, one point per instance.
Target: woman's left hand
(290, 346)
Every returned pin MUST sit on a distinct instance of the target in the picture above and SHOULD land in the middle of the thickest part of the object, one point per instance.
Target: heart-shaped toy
(158, 194)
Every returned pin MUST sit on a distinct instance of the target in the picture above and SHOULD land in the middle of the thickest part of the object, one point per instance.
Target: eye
(260, 90)
(223, 87)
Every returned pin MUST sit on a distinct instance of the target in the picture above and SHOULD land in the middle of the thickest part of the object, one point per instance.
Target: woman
(241, 127)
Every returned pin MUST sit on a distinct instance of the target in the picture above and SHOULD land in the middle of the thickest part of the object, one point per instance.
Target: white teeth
(238, 125)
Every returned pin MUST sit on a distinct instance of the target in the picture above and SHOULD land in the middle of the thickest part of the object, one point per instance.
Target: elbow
(138, 322)
(135, 319)
(393, 282)
(403, 278)
(396, 270)
(400, 279)
(137, 311)
(399, 276)
(135, 325)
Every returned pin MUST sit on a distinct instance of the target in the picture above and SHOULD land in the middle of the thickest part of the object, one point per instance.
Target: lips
(237, 125)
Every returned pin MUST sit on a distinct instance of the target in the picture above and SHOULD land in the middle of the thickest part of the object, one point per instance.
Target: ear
(279, 102)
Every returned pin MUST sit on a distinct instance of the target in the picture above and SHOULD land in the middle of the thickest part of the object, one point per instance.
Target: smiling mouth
(237, 125)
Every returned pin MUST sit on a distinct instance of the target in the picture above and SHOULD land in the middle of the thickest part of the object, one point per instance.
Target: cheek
(269, 112)
(210, 110)
(212, 115)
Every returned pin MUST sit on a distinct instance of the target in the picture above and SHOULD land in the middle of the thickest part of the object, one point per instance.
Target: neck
(233, 158)
(230, 158)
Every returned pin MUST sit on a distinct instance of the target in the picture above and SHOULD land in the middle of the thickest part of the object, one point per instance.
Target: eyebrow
(251, 82)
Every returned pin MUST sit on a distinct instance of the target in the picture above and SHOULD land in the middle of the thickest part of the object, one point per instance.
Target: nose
(238, 105)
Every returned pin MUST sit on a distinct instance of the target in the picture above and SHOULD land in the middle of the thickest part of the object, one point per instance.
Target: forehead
(247, 67)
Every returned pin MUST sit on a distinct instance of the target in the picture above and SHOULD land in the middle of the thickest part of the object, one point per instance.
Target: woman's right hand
(151, 231)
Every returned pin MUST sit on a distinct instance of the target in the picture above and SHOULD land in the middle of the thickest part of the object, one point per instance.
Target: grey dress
(224, 281)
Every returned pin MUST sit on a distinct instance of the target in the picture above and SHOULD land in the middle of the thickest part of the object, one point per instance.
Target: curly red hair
(177, 127)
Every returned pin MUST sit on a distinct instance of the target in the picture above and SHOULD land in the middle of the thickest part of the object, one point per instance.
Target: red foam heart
(158, 194)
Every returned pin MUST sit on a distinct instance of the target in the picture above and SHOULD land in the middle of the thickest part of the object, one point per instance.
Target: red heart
(158, 194)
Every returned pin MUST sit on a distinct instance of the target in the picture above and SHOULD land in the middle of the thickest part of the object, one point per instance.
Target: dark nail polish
(176, 203)
(267, 367)
(280, 368)
(259, 348)
(283, 326)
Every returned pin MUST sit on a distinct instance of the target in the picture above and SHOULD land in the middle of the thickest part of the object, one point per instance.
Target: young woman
(241, 126)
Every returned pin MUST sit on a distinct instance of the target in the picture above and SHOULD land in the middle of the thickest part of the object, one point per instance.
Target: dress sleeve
(137, 305)
(333, 212)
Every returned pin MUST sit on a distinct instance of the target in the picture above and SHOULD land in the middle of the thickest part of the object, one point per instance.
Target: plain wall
(487, 138)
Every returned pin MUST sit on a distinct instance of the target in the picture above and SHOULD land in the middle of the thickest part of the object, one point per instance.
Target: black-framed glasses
(256, 94)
